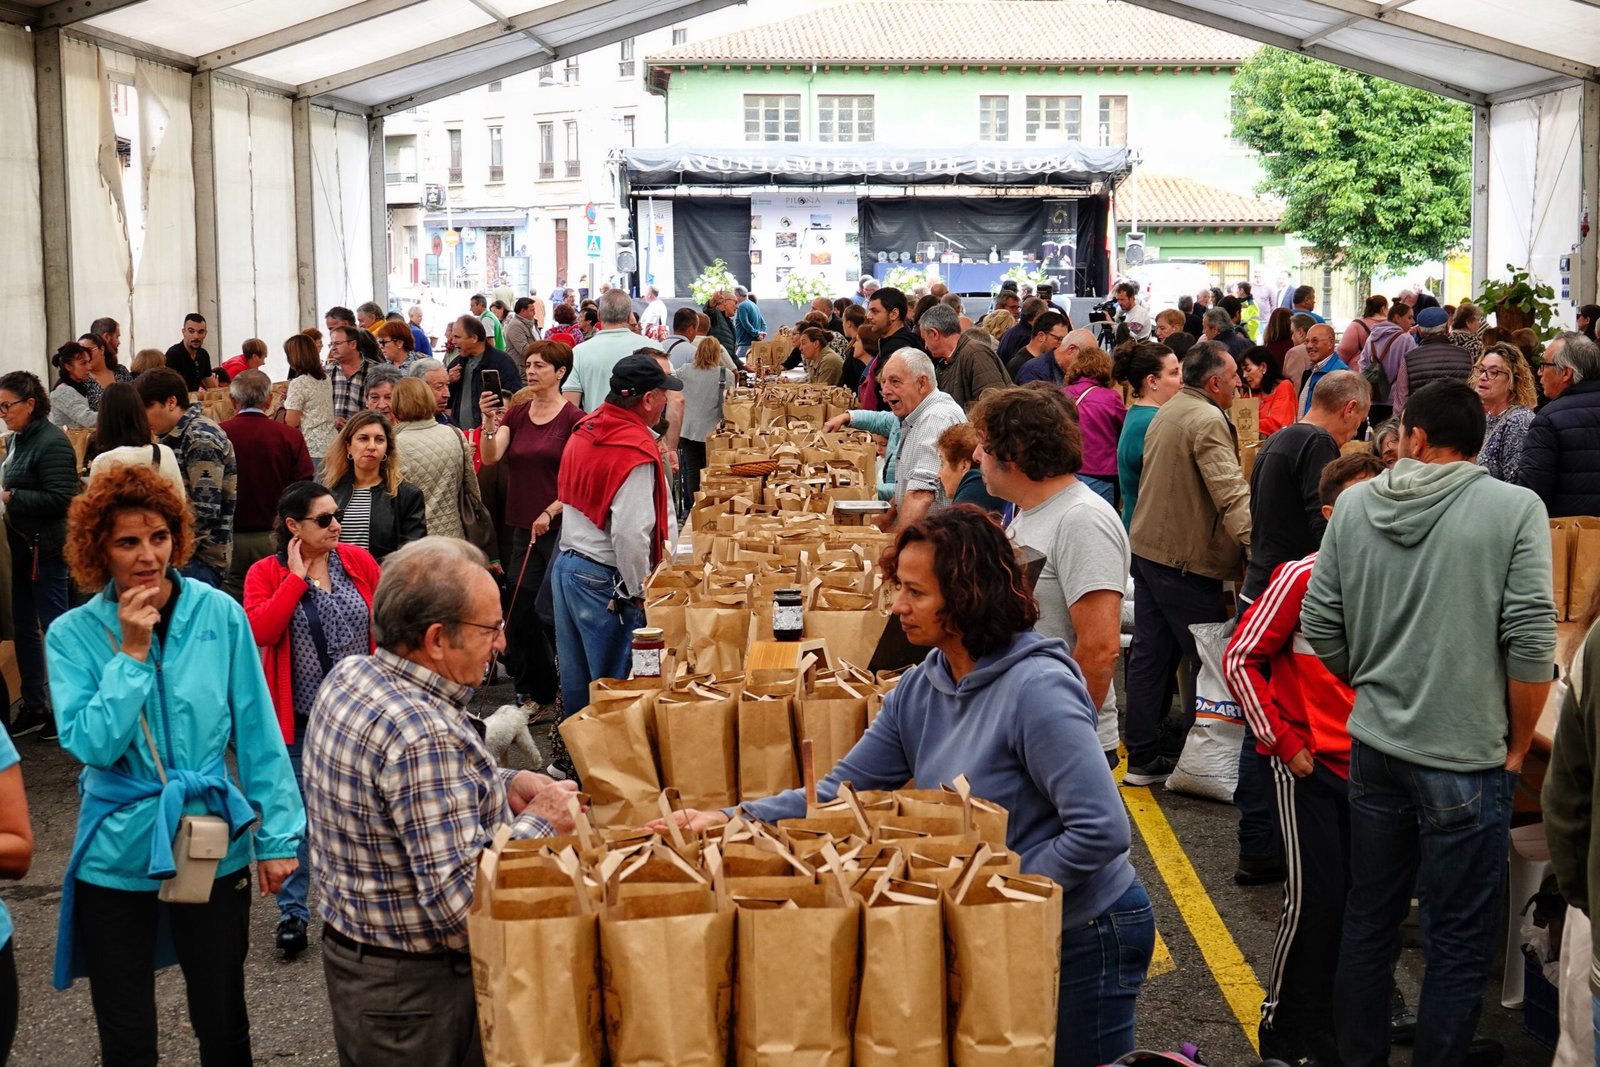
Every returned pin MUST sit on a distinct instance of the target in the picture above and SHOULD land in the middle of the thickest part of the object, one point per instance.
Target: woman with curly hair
(1504, 383)
(1008, 708)
(156, 680)
(1101, 413)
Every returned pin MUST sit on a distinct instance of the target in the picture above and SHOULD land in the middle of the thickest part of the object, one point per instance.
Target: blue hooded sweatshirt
(1021, 727)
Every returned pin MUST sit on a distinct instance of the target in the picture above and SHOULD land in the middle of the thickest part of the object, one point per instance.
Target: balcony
(401, 187)
(547, 170)
(497, 173)
(625, 68)
(572, 168)
(455, 176)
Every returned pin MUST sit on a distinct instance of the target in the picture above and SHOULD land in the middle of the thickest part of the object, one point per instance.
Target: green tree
(1375, 175)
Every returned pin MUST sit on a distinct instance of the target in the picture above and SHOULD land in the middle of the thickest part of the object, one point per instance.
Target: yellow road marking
(1228, 965)
(1160, 959)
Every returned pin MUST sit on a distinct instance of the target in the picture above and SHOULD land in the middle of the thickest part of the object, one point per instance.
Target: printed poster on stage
(817, 234)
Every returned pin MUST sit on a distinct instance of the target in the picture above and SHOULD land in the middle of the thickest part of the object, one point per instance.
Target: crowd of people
(317, 582)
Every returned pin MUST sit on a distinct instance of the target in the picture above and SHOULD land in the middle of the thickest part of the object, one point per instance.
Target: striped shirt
(355, 525)
(401, 797)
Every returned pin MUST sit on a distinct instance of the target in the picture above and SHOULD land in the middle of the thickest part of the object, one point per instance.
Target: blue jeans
(1106, 488)
(36, 602)
(296, 887)
(591, 641)
(1103, 964)
(202, 572)
(1446, 832)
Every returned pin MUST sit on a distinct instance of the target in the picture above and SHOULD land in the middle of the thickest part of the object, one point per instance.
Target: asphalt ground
(1215, 944)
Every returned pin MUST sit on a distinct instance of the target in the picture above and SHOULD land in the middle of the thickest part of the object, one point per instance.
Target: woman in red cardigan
(309, 606)
(1263, 377)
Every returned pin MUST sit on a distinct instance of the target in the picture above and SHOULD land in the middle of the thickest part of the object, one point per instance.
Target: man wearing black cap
(615, 526)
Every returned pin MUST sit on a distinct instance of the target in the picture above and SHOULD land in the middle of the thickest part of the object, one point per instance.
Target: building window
(1113, 121)
(547, 74)
(625, 66)
(497, 170)
(547, 150)
(455, 156)
(572, 148)
(628, 133)
(844, 118)
(494, 87)
(771, 117)
(1054, 118)
(570, 71)
(680, 36)
(1229, 272)
(994, 118)
(1235, 113)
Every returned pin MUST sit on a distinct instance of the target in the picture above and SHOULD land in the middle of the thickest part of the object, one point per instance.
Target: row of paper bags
(640, 951)
(1575, 559)
(716, 740)
(782, 403)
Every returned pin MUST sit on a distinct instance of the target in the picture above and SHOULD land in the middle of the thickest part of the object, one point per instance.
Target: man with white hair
(593, 360)
(966, 361)
(864, 290)
(910, 387)
(749, 325)
(655, 312)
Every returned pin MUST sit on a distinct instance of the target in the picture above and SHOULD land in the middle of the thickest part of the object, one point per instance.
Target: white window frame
(1052, 113)
(777, 114)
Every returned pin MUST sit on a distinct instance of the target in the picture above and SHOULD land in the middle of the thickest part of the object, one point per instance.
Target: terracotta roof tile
(1169, 199)
(971, 31)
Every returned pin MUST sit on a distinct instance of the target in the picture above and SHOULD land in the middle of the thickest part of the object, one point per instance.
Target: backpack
(1375, 373)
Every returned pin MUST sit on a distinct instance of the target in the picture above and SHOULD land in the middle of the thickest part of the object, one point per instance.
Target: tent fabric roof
(1173, 200)
(920, 31)
(366, 56)
(1478, 51)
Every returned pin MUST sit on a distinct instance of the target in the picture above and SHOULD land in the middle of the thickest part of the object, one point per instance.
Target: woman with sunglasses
(1504, 382)
(69, 400)
(309, 606)
(395, 343)
(104, 370)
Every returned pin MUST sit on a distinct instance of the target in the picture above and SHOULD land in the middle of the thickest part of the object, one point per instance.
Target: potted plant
(800, 289)
(1520, 302)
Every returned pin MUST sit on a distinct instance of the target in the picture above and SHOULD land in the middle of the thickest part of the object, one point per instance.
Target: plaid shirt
(401, 797)
(349, 392)
(916, 467)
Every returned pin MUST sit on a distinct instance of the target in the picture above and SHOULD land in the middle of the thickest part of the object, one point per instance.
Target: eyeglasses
(7, 405)
(336, 344)
(389, 340)
(497, 628)
(324, 520)
(1492, 372)
(1548, 364)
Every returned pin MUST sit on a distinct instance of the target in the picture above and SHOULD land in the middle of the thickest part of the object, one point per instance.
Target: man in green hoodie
(1431, 599)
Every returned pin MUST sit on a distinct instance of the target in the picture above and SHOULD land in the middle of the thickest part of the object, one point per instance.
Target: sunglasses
(324, 520)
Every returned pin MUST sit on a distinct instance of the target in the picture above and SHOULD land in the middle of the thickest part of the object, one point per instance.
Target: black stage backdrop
(1004, 223)
(704, 229)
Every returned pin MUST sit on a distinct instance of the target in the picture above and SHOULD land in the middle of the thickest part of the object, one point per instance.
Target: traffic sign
(588, 211)
(594, 246)
(452, 237)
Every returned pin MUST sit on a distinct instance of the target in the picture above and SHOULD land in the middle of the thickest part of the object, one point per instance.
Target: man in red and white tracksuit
(1298, 711)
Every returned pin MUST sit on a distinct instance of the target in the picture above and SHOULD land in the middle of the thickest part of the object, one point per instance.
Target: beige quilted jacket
(434, 457)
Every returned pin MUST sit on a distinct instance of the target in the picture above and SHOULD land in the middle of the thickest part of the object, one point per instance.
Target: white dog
(506, 729)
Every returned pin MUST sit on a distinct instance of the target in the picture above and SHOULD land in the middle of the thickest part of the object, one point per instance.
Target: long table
(962, 278)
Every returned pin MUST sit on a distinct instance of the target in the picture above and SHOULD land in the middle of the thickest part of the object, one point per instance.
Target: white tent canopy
(260, 175)
(1529, 68)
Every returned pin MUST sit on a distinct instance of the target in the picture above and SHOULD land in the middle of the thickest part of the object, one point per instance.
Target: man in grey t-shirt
(1030, 449)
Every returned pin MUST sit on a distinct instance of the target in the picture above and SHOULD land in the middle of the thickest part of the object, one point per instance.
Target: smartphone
(491, 382)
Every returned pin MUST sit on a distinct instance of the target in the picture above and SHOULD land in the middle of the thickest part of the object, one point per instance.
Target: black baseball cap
(637, 374)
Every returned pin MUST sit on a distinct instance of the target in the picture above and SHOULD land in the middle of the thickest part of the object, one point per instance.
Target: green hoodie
(1432, 586)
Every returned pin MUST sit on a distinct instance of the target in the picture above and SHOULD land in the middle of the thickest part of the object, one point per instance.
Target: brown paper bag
(667, 975)
(611, 749)
(1560, 555)
(1246, 416)
(795, 998)
(1583, 564)
(696, 733)
(717, 627)
(535, 967)
(768, 757)
(943, 863)
(901, 1020)
(985, 817)
(739, 411)
(1004, 964)
(833, 716)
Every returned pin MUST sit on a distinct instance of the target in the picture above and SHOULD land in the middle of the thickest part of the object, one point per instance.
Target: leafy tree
(1375, 175)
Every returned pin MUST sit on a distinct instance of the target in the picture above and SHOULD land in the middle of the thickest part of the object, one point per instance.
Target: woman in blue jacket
(157, 663)
(1008, 708)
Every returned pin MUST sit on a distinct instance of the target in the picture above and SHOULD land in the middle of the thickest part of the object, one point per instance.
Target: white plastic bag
(1209, 765)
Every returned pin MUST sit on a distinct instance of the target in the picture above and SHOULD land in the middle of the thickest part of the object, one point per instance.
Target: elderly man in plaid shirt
(401, 797)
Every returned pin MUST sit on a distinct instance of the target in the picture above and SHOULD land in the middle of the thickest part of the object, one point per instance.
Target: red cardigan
(271, 593)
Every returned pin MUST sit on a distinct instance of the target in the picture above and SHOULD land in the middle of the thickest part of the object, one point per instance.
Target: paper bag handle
(671, 805)
(969, 874)
(808, 773)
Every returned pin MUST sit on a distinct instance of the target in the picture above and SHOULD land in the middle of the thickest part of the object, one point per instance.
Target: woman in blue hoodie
(157, 663)
(1008, 708)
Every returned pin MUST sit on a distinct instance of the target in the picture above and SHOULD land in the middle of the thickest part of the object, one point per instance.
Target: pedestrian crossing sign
(594, 246)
